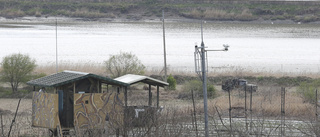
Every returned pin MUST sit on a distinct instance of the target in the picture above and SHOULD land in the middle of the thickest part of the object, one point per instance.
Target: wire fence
(248, 113)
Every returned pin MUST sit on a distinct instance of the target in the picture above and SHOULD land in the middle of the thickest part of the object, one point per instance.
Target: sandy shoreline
(30, 19)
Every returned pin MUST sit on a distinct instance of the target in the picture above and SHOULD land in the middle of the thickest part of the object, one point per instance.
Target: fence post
(14, 119)
(251, 108)
(194, 113)
(230, 111)
(283, 101)
(245, 107)
(2, 126)
(316, 104)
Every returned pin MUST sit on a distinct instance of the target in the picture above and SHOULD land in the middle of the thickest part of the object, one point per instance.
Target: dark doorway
(66, 118)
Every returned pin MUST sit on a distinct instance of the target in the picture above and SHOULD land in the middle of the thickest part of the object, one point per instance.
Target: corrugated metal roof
(132, 79)
(66, 77)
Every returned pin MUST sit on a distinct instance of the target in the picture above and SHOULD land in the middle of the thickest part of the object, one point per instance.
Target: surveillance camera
(226, 47)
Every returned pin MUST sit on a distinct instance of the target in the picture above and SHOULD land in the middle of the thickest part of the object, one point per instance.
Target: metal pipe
(216, 50)
(251, 108)
(245, 106)
(230, 115)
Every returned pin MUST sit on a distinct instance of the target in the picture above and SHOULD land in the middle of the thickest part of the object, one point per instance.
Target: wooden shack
(77, 100)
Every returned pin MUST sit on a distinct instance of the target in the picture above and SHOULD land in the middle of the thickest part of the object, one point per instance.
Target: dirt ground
(11, 105)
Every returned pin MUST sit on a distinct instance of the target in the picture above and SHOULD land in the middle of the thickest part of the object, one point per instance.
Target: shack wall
(92, 109)
(44, 110)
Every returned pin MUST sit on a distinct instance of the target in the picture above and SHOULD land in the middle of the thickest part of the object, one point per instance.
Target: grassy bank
(259, 78)
(138, 10)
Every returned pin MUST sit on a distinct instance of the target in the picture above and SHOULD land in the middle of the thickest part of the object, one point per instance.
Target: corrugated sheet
(65, 77)
(132, 79)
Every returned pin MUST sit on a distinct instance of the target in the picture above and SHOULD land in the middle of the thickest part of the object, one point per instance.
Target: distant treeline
(223, 10)
(303, 2)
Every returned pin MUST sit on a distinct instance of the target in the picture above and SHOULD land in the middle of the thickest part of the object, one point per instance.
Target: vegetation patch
(218, 10)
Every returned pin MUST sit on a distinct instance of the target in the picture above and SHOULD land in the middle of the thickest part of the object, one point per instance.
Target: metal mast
(202, 55)
(204, 84)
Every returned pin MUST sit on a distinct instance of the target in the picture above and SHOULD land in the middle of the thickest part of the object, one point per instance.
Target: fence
(274, 113)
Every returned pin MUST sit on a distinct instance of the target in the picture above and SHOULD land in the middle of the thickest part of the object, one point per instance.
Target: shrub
(123, 63)
(17, 69)
(172, 82)
(211, 91)
(307, 90)
(196, 87)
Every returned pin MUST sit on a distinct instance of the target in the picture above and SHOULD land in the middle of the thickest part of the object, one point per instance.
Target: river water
(267, 47)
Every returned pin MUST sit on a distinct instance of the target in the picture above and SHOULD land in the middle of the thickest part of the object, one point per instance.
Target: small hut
(77, 100)
(138, 116)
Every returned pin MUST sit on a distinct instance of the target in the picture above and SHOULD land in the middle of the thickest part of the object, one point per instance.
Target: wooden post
(125, 97)
(158, 97)
(157, 115)
(150, 96)
(74, 87)
(98, 87)
(125, 112)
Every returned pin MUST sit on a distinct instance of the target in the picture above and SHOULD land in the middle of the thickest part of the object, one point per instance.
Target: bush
(308, 90)
(172, 82)
(196, 87)
(17, 69)
(211, 91)
(123, 63)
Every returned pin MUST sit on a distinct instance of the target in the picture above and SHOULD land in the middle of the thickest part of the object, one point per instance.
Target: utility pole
(164, 49)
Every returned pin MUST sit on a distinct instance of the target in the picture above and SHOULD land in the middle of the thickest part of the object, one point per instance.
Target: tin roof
(132, 79)
(66, 77)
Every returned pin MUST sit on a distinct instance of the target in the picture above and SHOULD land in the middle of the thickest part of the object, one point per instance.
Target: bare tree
(123, 63)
